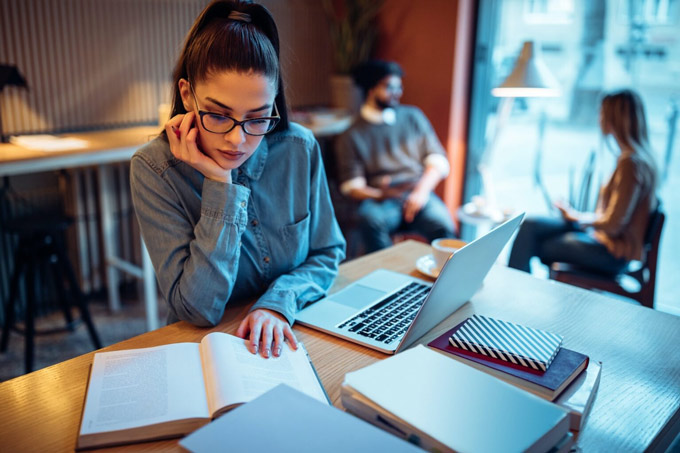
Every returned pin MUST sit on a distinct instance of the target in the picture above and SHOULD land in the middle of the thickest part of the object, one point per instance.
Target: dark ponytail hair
(217, 43)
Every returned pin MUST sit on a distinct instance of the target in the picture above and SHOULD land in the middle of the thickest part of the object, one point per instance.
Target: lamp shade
(529, 78)
(9, 75)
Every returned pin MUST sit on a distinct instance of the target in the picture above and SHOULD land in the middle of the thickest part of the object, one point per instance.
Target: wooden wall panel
(305, 50)
(90, 63)
(108, 63)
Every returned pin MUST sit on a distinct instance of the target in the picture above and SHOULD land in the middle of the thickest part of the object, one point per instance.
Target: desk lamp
(530, 78)
(9, 75)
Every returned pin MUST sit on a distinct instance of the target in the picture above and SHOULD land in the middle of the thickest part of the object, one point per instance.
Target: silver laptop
(388, 311)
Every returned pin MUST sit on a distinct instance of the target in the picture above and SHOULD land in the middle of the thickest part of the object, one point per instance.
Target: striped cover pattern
(507, 341)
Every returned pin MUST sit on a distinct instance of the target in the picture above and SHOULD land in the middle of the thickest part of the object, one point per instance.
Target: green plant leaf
(352, 29)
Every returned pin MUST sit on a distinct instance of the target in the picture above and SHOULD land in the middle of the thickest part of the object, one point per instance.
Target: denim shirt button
(267, 259)
(243, 204)
(254, 222)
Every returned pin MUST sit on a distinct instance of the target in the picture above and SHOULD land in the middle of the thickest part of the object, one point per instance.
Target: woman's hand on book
(267, 332)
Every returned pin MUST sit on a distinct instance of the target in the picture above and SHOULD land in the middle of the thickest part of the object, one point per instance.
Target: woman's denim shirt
(271, 233)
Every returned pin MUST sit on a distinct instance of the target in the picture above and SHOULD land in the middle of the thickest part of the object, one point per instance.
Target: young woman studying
(232, 199)
(606, 240)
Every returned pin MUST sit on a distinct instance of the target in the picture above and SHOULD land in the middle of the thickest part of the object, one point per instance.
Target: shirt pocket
(296, 240)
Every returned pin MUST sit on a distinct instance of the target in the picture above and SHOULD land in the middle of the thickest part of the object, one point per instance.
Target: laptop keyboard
(390, 318)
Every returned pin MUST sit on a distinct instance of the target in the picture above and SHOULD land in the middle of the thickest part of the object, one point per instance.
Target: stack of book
(528, 358)
(443, 405)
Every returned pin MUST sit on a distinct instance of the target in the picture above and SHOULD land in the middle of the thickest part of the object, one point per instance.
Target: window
(591, 47)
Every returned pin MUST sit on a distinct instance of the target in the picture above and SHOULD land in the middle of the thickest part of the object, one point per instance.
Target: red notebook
(565, 367)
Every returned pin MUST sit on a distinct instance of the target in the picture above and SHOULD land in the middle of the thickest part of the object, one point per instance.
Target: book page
(234, 375)
(140, 387)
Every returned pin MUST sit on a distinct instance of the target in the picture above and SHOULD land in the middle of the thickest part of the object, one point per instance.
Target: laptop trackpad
(357, 296)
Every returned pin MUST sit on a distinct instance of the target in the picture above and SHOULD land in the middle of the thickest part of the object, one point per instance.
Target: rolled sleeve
(440, 162)
(355, 183)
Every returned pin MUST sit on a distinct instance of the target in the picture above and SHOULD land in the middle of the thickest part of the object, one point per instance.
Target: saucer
(427, 265)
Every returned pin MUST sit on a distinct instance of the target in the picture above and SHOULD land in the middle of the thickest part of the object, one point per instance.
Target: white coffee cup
(444, 248)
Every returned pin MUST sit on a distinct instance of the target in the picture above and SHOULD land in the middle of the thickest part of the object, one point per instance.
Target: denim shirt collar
(254, 166)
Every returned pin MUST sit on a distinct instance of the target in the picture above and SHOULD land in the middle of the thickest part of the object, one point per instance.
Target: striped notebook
(520, 345)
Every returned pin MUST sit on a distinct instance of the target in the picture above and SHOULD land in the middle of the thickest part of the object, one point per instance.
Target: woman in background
(231, 198)
(606, 240)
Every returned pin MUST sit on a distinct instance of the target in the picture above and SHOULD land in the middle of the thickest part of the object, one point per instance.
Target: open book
(171, 390)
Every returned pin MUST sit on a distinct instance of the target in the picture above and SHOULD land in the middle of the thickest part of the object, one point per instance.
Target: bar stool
(40, 246)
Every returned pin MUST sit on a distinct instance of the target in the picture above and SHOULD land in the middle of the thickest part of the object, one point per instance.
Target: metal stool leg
(29, 317)
(19, 264)
(58, 274)
(78, 295)
(60, 284)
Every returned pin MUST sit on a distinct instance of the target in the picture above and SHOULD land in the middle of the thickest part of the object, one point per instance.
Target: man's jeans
(379, 219)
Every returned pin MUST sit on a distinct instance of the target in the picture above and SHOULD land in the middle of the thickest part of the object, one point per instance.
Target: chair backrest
(655, 224)
(652, 240)
(653, 236)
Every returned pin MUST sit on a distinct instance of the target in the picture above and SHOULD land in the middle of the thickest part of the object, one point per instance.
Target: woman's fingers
(178, 129)
(185, 128)
(255, 332)
(288, 333)
(266, 332)
(243, 328)
(187, 123)
(194, 155)
(172, 130)
(278, 341)
(267, 339)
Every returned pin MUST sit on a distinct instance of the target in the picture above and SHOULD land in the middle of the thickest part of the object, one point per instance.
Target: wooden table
(636, 407)
(103, 148)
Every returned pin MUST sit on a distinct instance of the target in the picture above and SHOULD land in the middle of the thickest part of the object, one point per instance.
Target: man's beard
(382, 105)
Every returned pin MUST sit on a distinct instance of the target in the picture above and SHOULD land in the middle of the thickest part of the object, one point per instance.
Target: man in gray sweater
(390, 160)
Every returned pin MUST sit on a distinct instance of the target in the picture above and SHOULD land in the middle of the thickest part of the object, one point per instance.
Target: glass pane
(590, 47)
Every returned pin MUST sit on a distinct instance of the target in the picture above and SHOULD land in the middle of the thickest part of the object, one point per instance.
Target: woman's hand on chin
(182, 136)
(267, 331)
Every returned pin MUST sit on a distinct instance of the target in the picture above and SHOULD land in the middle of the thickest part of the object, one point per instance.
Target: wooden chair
(644, 272)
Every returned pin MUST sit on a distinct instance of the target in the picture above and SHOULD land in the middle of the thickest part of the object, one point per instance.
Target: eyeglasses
(222, 124)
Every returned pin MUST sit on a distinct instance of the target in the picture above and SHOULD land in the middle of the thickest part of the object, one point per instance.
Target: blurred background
(104, 67)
